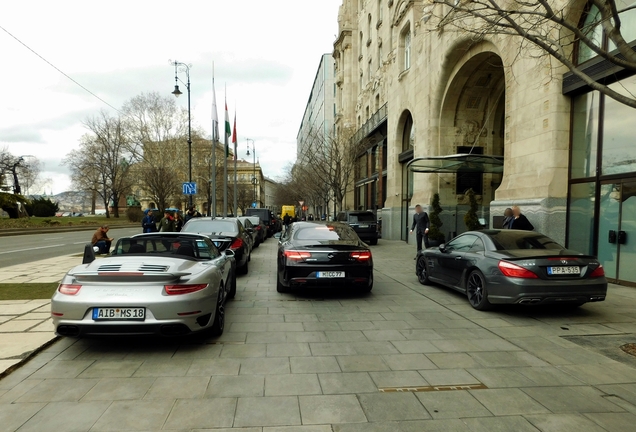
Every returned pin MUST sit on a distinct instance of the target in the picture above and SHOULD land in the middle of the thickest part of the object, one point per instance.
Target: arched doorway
(472, 121)
(406, 136)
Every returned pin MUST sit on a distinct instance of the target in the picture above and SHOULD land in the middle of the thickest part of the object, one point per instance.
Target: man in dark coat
(520, 222)
(508, 218)
(286, 221)
(421, 225)
(148, 222)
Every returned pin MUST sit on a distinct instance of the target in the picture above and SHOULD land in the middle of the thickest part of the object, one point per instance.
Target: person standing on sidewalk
(420, 224)
(148, 222)
(167, 223)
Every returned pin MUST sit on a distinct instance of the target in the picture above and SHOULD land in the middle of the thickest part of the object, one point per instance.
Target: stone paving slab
(316, 362)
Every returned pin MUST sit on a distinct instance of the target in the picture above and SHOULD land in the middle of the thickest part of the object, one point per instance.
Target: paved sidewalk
(25, 325)
(320, 362)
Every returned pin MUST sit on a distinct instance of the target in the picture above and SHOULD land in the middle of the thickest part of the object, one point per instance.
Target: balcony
(370, 125)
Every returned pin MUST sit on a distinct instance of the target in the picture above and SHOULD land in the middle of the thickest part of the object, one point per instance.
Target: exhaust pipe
(529, 300)
(68, 330)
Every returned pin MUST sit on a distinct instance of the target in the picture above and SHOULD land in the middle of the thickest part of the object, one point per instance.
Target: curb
(25, 360)
(26, 231)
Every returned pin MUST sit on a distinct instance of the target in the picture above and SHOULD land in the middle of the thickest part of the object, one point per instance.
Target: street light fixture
(254, 179)
(176, 92)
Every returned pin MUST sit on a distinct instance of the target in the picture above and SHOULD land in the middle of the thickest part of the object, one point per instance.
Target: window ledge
(403, 74)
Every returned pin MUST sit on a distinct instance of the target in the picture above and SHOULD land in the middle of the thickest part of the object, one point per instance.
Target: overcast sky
(267, 52)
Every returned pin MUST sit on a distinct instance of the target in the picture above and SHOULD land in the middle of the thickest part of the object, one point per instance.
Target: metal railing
(370, 125)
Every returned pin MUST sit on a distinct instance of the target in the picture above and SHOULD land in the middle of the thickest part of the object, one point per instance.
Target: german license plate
(564, 270)
(120, 314)
(330, 274)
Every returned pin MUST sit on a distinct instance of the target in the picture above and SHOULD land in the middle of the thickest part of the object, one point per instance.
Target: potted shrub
(435, 236)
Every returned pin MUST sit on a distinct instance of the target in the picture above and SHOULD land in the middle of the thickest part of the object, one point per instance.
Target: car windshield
(210, 226)
(254, 219)
(361, 217)
(325, 232)
(171, 246)
(512, 240)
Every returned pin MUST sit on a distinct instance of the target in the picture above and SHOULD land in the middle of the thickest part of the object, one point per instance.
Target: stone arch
(404, 136)
(472, 120)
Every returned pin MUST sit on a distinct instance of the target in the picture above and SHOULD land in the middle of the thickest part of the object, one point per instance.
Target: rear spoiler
(133, 276)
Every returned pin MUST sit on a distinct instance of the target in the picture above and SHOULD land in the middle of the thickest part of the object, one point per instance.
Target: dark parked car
(251, 230)
(267, 217)
(513, 266)
(315, 254)
(259, 227)
(363, 223)
(225, 233)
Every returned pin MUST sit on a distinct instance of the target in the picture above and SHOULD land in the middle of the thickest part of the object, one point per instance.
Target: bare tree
(103, 161)
(552, 27)
(328, 166)
(18, 171)
(155, 126)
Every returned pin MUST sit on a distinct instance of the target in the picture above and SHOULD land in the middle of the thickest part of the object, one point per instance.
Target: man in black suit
(421, 224)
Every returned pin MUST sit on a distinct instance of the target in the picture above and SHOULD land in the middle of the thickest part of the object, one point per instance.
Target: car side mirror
(250, 230)
(229, 252)
(442, 247)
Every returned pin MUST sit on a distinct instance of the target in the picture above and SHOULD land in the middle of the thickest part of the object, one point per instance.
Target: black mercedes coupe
(323, 254)
(514, 267)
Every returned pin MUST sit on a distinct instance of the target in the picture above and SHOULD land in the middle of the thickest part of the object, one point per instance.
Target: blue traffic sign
(190, 188)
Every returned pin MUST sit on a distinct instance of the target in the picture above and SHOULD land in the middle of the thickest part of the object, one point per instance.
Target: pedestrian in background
(148, 222)
(167, 222)
(508, 218)
(519, 221)
(421, 224)
(192, 213)
(101, 240)
(178, 222)
(286, 221)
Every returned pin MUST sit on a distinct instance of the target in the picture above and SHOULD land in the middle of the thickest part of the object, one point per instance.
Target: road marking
(82, 242)
(30, 249)
(53, 238)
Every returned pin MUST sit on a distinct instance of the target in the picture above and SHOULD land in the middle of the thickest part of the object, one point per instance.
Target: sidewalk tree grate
(432, 388)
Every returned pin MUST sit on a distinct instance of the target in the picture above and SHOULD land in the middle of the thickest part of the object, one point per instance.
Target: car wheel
(219, 315)
(421, 270)
(232, 281)
(279, 286)
(243, 270)
(476, 291)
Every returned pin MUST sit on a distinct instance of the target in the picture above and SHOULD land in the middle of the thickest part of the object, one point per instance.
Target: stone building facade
(416, 90)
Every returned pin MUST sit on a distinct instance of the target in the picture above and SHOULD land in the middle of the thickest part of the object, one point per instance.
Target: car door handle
(457, 258)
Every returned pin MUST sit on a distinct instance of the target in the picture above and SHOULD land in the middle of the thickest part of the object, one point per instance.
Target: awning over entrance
(457, 162)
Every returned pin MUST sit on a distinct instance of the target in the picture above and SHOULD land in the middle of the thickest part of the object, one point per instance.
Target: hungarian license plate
(330, 274)
(564, 270)
(120, 314)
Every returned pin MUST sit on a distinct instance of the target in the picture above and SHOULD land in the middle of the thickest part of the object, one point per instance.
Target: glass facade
(585, 109)
(619, 151)
(581, 216)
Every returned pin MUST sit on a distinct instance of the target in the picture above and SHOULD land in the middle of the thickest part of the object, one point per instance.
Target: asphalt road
(34, 247)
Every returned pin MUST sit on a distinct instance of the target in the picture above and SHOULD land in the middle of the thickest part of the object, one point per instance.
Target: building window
(369, 68)
(361, 44)
(367, 112)
(380, 12)
(407, 49)
(377, 102)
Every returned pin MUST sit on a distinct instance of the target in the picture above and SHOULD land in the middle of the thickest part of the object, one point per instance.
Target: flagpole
(215, 139)
(225, 159)
(235, 140)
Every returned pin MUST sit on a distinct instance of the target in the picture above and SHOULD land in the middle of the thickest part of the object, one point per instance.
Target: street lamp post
(254, 179)
(178, 93)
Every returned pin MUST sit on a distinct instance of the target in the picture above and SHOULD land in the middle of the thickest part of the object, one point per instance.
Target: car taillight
(258, 228)
(360, 256)
(516, 271)
(236, 244)
(598, 272)
(184, 289)
(69, 289)
(297, 255)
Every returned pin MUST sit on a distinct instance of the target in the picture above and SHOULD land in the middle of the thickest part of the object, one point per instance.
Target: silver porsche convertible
(167, 284)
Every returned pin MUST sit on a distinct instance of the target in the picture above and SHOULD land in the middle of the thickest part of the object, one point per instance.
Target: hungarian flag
(234, 137)
(228, 131)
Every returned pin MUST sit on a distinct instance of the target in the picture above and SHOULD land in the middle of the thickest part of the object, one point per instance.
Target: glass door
(617, 230)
